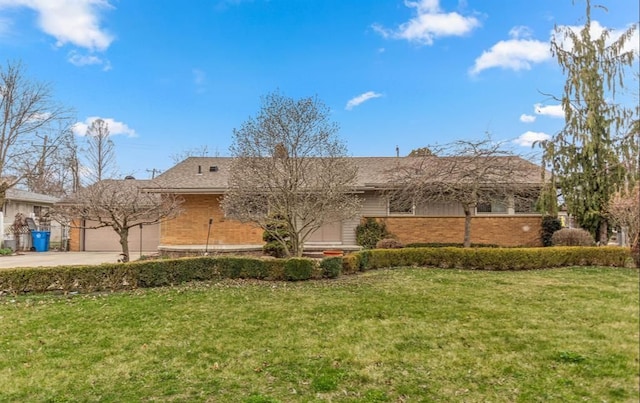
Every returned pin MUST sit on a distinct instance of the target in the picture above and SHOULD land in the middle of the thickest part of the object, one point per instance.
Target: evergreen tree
(590, 156)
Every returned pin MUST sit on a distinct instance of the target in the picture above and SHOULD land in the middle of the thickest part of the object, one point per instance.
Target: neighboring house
(202, 182)
(34, 205)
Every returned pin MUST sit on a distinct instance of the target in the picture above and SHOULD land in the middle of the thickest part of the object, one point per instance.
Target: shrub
(297, 269)
(274, 268)
(369, 232)
(156, 273)
(275, 231)
(572, 237)
(549, 226)
(351, 263)
(331, 267)
(6, 251)
(389, 243)
(496, 258)
(448, 245)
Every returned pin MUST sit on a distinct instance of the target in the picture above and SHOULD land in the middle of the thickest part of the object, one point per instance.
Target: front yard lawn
(389, 335)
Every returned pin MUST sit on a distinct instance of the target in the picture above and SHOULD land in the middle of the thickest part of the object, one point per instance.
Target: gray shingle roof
(23, 195)
(210, 174)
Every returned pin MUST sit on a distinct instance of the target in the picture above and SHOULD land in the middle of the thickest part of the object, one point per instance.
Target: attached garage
(105, 239)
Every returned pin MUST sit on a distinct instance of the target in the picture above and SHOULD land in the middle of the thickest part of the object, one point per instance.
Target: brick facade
(518, 230)
(190, 228)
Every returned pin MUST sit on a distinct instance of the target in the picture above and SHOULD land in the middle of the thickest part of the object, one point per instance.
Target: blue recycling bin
(41, 240)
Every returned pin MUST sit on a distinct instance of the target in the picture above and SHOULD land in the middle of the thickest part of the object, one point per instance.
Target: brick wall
(518, 230)
(190, 228)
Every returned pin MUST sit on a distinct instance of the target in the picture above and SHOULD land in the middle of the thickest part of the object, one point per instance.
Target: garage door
(106, 240)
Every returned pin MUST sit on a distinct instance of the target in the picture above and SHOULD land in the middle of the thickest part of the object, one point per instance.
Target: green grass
(407, 335)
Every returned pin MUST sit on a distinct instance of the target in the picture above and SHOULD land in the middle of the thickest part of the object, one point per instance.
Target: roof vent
(199, 169)
(129, 177)
(213, 168)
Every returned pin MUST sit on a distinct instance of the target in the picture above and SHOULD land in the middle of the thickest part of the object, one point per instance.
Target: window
(524, 206)
(495, 207)
(40, 211)
(400, 207)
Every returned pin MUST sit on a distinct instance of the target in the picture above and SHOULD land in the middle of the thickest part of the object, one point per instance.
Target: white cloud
(554, 111)
(69, 21)
(80, 60)
(527, 118)
(115, 127)
(528, 138)
(429, 23)
(517, 53)
(633, 43)
(521, 52)
(353, 102)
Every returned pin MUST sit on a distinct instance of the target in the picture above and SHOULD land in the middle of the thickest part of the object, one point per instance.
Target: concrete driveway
(48, 259)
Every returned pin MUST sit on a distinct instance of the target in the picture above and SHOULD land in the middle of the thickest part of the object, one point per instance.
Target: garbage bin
(41, 240)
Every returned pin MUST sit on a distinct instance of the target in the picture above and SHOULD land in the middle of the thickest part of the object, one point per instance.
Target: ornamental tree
(289, 163)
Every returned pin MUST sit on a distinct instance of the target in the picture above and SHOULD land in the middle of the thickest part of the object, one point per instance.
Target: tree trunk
(467, 227)
(296, 248)
(603, 233)
(124, 243)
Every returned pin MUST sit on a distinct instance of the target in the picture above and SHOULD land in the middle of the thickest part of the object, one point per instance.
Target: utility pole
(153, 172)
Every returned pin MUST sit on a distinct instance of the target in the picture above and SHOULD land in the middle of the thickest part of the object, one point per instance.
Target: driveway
(48, 259)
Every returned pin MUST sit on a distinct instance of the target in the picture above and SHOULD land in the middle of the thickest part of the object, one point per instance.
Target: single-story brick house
(202, 182)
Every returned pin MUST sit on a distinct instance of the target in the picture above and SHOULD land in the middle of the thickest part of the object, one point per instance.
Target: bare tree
(200, 151)
(100, 153)
(31, 126)
(56, 172)
(119, 204)
(472, 173)
(290, 164)
(624, 211)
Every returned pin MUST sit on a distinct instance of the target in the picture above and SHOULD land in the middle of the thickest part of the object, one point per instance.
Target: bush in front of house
(389, 243)
(144, 274)
(548, 227)
(449, 245)
(369, 232)
(275, 230)
(492, 258)
(331, 267)
(298, 268)
(167, 272)
(572, 237)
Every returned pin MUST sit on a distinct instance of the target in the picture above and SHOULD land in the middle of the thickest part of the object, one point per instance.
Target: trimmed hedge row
(158, 273)
(487, 258)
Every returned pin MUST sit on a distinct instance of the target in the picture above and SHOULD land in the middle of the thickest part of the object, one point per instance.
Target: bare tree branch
(32, 126)
(467, 172)
(121, 205)
(290, 164)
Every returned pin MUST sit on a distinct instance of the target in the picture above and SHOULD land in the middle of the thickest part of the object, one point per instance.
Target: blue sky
(174, 75)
